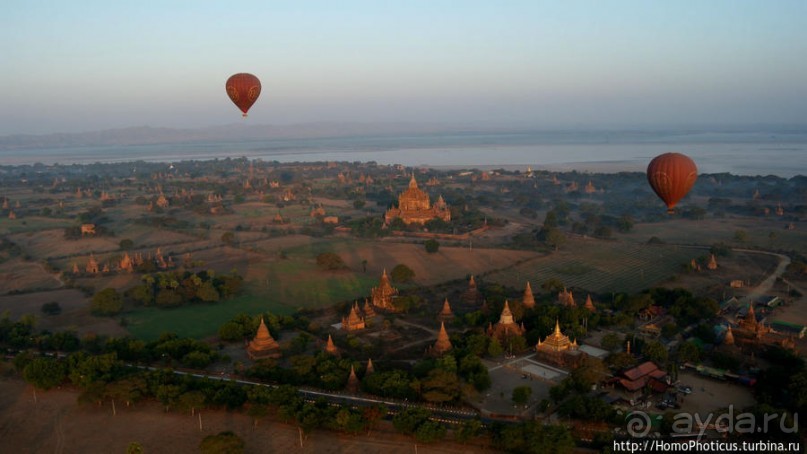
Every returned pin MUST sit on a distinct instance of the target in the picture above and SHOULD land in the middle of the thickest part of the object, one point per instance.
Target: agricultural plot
(601, 266)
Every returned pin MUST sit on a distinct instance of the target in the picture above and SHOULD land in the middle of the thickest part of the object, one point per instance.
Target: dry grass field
(57, 424)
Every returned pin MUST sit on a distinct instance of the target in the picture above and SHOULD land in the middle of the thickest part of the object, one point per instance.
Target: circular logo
(638, 424)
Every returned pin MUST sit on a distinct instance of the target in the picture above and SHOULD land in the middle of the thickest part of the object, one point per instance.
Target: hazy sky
(86, 65)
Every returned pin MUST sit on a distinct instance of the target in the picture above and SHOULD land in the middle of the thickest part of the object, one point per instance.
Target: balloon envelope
(671, 175)
(243, 89)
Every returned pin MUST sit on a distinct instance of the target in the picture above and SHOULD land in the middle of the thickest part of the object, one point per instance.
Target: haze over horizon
(89, 66)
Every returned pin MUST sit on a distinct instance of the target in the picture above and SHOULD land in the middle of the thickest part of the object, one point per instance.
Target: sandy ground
(709, 395)
(55, 423)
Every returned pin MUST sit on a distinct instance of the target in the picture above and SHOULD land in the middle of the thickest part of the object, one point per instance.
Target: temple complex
(382, 295)
(565, 298)
(414, 207)
(263, 345)
(506, 327)
(528, 300)
(330, 348)
(443, 343)
(353, 321)
(445, 313)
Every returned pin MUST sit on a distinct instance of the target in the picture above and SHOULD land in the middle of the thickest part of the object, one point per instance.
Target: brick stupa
(263, 345)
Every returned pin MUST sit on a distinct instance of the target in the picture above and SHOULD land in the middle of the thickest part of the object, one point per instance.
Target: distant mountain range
(147, 135)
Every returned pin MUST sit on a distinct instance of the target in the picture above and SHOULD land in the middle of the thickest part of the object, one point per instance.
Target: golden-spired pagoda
(443, 343)
(557, 349)
(354, 321)
(263, 345)
(330, 348)
(556, 342)
(383, 294)
(370, 369)
(445, 313)
(507, 326)
(566, 298)
(414, 207)
(528, 301)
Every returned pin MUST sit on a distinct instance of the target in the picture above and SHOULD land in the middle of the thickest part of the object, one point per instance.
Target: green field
(197, 321)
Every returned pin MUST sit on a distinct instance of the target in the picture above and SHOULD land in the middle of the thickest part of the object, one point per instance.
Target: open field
(601, 266)
(56, 423)
(710, 231)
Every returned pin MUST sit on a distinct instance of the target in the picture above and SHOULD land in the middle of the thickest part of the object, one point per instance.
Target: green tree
(44, 373)
(330, 261)
(52, 308)
(521, 395)
(495, 348)
(223, 443)
(430, 431)
(402, 274)
(228, 238)
(611, 342)
(126, 244)
(134, 448)
(432, 246)
(655, 351)
(106, 302)
(408, 420)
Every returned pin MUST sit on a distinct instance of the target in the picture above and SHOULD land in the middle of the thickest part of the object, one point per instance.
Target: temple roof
(446, 311)
(330, 347)
(528, 300)
(507, 316)
(590, 304)
(443, 343)
(263, 345)
(370, 369)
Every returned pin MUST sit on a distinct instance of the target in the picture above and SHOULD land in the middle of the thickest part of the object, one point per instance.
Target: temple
(712, 265)
(370, 369)
(589, 304)
(443, 343)
(353, 322)
(352, 382)
(557, 349)
(528, 301)
(445, 313)
(472, 296)
(414, 207)
(330, 348)
(506, 327)
(383, 294)
(263, 345)
(566, 298)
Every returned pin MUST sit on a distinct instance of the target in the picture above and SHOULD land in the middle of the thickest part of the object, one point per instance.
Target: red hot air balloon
(671, 175)
(243, 89)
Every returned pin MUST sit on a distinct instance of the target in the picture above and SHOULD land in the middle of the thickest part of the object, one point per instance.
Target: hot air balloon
(671, 175)
(243, 89)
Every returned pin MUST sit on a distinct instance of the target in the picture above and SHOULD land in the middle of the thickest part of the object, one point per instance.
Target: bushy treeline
(173, 288)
